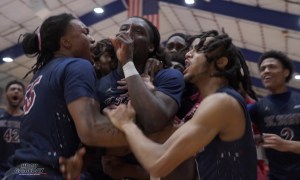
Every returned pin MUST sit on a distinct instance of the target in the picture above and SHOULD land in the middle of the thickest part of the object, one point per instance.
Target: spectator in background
(277, 116)
(176, 47)
(10, 119)
(104, 58)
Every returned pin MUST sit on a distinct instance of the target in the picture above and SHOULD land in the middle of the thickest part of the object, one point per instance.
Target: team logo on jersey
(297, 106)
(267, 108)
(109, 90)
(30, 95)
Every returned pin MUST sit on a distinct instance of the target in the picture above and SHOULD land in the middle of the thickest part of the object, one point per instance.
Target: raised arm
(155, 108)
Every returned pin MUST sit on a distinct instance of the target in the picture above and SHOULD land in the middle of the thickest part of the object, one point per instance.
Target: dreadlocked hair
(236, 71)
(45, 42)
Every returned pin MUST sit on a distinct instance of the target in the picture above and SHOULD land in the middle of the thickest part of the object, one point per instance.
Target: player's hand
(123, 45)
(258, 139)
(122, 84)
(275, 142)
(151, 68)
(122, 115)
(72, 167)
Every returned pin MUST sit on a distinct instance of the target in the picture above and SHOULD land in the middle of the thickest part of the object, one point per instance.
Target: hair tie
(39, 41)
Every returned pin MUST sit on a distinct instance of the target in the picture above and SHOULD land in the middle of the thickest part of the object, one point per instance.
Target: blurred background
(256, 26)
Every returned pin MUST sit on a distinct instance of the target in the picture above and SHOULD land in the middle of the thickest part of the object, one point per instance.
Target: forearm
(93, 128)
(151, 111)
(293, 146)
(104, 134)
(145, 150)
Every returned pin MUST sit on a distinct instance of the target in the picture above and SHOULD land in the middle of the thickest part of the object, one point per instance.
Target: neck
(58, 54)
(280, 90)
(14, 111)
(211, 86)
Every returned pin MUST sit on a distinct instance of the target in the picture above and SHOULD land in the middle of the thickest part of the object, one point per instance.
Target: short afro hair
(282, 58)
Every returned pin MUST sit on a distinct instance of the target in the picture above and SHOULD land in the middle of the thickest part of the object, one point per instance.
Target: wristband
(129, 69)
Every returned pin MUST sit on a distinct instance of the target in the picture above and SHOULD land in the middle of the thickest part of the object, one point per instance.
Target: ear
(65, 42)
(151, 48)
(222, 62)
(286, 73)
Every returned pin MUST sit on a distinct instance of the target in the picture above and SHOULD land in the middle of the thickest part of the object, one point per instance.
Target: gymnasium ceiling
(256, 26)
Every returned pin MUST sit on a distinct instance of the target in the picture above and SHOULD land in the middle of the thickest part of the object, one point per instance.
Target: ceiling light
(7, 59)
(189, 1)
(98, 10)
(297, 76)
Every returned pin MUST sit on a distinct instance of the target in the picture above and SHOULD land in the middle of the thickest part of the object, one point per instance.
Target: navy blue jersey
(9, 138)
(279, 114)
(48, 131)
(234, 160)
(167, 81)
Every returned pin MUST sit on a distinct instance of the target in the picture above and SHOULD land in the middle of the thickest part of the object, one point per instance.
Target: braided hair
(44, 43)
(236, 71)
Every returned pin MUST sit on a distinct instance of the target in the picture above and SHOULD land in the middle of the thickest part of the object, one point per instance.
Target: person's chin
(187, 77)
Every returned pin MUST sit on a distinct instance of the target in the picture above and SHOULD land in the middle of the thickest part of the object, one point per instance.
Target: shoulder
(109, 79)
(78, 62)
(2, 110)
(70, 64)
(218, 111)
(169, 73)
(220, 102)
(295, 94)
(168, 76)
(263, 101)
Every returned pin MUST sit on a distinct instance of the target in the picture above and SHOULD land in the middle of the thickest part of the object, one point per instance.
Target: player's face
(79, 39)
(14, 95)
(141, 34)
(196, 65)
(175, 44)
(273, 74)
(106, 63)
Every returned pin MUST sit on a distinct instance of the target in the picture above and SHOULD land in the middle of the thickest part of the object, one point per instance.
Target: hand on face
(121, 116)
(123, 45)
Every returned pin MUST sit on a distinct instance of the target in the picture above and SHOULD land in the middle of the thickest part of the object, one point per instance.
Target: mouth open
(15, 98)
(187, 65)
(267, 78)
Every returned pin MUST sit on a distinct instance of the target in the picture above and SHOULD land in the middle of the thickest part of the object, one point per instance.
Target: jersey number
(11, 135)
(30, 95)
